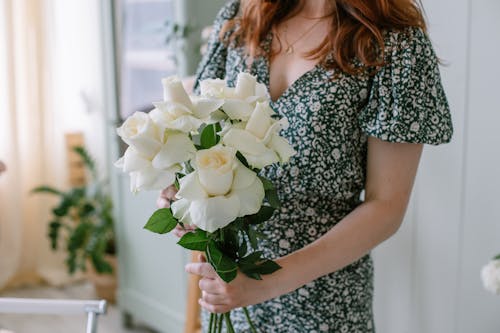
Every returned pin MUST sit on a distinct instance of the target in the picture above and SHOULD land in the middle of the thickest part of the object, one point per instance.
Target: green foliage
(83, 221)
(197, 240)
(161, 222)
(497, 257)
(209, 137)
(225, 267)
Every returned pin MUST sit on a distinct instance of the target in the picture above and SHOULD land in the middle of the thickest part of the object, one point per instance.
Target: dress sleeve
(407, 102)
(213, 63)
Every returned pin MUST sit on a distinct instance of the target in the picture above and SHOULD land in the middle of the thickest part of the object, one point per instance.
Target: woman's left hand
(219, 296)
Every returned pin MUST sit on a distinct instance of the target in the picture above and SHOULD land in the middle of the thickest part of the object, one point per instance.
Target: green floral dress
(331, 115)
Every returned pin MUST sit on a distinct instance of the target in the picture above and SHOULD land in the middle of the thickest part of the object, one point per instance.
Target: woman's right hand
(166, 196)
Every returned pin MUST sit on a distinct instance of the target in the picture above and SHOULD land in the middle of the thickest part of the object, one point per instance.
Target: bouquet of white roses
(212, 148)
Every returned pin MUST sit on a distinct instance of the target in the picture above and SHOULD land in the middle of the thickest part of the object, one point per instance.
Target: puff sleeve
(213, 63)
(407, 102)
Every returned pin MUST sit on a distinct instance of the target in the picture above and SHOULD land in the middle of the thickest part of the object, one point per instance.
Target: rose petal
(281, 146)
(237, 109)
(132, 161)
(243, 177)
(214, 213)
(174, 91)
(190, 188)
(250, 198)
(259, 121)
(153, 179)
(244, 141)
(178, 149)
(245, 85)
(262, 160)
(203, 107)
(180, 210)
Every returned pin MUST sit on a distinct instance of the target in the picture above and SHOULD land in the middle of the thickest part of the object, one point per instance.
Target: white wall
(76, 78)
(427, 276)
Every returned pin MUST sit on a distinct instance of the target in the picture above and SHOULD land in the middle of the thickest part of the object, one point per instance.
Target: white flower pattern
(330, 119)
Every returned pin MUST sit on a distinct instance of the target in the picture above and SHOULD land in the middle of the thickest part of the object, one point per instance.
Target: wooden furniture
(193, 324)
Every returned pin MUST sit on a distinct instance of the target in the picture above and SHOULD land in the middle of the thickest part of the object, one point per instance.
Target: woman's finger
(214, 298)
(210, 285)
(201, 269)
(214, 308)
(170, 192)
(161, 202)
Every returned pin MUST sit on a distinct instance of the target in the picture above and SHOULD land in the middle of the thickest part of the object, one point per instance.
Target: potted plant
(82, 222)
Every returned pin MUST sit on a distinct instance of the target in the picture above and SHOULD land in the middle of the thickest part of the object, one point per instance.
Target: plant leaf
(225, 267)
(87, 160)
(262, 215)
(268, 185)
(209, 137)
(196, 240)
(273, 199)
(161, 222)
(46, 189)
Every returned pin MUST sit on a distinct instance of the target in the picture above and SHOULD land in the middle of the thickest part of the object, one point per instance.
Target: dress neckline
(265, 60)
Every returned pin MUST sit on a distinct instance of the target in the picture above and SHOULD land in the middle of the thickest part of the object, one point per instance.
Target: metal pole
(91, 322)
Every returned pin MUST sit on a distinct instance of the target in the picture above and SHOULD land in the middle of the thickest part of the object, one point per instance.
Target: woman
(360, 85)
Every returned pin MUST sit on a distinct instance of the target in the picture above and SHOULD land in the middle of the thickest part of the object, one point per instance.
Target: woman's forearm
(354, 236)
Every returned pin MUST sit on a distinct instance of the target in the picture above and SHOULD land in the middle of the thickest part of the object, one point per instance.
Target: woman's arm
(391, 170)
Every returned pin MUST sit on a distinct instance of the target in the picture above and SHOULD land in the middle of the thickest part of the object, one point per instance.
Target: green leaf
(54, 228)
(268, 185)
(46, 189)
(242, 250)
(225, 267)
(243, 160)
(196, 240)
(252, 237)
(161, 222)
(273, 199)
(267, 267)
(209, 137)
(497, 257)
(262, 215)
(252, 258)
(87, 160)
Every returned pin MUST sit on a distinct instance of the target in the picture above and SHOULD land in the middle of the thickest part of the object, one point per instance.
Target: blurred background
(72, 70)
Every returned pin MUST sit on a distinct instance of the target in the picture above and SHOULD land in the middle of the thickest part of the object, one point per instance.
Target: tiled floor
(24, 323)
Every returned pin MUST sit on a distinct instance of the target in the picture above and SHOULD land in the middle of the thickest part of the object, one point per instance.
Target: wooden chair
(193, 324)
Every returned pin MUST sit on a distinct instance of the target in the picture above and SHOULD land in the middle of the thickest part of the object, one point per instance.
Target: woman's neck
(316, 8)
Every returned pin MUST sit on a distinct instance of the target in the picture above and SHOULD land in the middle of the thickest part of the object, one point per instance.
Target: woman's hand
(221, 297)
(166, 196)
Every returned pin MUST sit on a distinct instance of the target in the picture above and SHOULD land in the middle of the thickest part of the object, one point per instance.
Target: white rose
(245, 85)
(215, 88)
(181, 112)
(490, 275)
(218, 191)
(173, 91)
(157, 172)
(139, 132)
(259, 141)
(175, 116)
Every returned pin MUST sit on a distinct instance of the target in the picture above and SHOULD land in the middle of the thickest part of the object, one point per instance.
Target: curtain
(31, 146)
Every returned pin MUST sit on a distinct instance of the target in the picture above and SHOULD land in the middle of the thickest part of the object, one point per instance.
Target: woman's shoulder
(230, 9)
(407, 41)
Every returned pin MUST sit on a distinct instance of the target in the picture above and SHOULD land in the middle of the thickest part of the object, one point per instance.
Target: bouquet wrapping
(212, 148)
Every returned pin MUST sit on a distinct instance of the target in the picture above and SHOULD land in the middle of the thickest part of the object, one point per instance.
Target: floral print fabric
(331, 114)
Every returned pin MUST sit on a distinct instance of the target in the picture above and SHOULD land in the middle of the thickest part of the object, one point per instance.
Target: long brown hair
(356, 28)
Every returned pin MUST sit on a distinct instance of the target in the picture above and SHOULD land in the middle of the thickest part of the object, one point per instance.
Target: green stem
(219, 324)
(211, 323)
(230, 328)
(214, 329)
(252, 327)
